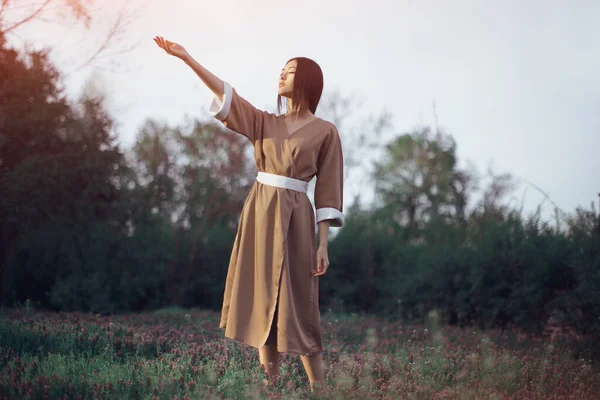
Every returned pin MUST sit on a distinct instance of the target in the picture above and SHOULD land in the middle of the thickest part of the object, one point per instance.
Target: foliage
(88, 226)
(175, 353)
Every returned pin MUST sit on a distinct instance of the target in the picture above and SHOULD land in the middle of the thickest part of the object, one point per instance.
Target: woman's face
(286, 79)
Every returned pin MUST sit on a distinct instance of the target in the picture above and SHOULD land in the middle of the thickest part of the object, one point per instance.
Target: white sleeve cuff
(219, 109)
(330, 213)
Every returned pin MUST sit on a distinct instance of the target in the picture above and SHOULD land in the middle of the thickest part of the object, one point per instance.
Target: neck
(292, 110)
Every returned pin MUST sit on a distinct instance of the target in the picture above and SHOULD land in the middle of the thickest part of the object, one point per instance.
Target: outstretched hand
(171, 48)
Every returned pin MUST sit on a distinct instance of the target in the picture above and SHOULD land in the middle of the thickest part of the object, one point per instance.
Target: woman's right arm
(234, 111)
(210, 80)
(215, 84)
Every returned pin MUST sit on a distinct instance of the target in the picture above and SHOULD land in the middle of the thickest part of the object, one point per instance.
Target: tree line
(89, 226)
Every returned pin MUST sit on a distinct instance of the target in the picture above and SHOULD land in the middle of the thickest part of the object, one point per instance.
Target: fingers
(157, 40)
(322, 270)
(165, 45)
(322, 266)
(162, 43)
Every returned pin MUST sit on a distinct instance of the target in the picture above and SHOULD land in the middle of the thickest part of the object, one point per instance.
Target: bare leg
(314, 369)
(268, 354)
(269, 359)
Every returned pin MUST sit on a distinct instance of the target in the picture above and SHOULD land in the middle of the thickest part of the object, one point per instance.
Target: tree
(154, 155)
(29, 103)
(57, 158)
(17, 14)
(418, 181)
(216, 177)
(198, 176)
(489, 208)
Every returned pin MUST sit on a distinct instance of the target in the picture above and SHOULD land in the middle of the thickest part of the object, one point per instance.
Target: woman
(271, 298)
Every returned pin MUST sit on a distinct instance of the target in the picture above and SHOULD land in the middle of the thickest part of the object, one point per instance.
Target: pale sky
(516, 83)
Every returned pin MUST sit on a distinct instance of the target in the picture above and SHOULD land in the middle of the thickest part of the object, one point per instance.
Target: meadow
(182, 354)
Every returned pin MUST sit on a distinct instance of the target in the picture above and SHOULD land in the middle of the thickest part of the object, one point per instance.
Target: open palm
(171, 48)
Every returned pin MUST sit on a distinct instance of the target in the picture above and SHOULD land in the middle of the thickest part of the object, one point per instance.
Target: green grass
(175, 353)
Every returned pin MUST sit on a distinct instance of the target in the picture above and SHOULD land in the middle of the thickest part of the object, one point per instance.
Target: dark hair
(308, 85)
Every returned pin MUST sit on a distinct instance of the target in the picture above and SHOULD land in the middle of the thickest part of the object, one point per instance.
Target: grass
(182, 354)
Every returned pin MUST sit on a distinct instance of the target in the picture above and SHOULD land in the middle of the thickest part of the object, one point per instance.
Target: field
(177, 353)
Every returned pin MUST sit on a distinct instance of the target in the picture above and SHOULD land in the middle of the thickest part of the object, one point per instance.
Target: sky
(515, 83)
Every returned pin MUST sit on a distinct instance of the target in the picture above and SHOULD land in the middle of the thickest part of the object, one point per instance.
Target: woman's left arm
(322, 256)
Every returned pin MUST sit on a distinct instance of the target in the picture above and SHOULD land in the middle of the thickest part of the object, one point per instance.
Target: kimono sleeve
(238, 114)
(329, 187)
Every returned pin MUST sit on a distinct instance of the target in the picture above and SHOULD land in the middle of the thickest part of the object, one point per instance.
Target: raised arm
(228, 107)
(211, 81)
(215, 84)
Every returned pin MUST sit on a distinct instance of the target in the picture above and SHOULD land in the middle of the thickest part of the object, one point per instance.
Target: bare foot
(271, 382)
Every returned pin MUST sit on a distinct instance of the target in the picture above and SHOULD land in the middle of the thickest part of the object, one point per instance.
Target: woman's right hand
(171, 48)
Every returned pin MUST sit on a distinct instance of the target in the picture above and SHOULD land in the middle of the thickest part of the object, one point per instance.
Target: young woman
(271, 298)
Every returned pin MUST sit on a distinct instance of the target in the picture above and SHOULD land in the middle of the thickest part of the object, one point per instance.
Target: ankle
(317, 386)
(271, 380)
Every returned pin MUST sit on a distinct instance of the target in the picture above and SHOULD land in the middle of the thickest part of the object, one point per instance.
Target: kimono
(269, 281)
